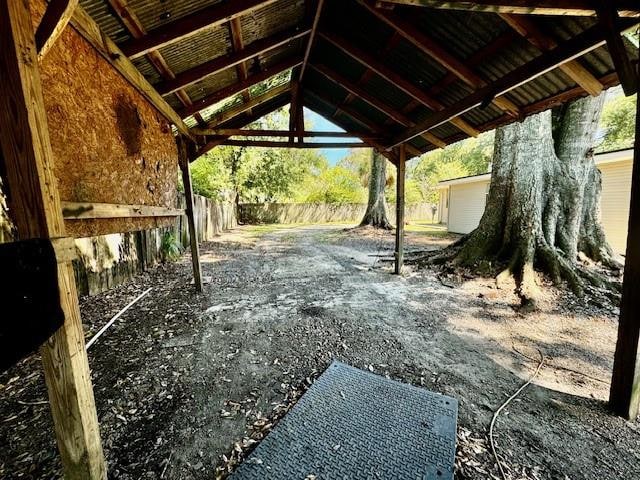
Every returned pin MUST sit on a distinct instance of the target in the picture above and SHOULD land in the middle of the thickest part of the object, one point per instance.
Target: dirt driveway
(180, 377)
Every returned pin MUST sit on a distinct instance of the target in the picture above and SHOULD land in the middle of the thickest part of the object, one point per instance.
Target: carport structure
(403, 76)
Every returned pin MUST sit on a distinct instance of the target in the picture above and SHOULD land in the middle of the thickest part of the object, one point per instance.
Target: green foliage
(336, 184)
(170, 247)
(211, 174)
(468, 157)
(618, 121)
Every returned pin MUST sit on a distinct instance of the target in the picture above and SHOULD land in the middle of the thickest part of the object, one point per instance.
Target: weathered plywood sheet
(109, 144)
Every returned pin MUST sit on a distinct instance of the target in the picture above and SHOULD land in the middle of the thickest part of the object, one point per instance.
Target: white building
(462, 200)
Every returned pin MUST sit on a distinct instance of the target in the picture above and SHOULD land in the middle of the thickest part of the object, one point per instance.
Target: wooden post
(35, 208)
(624, 396)
(401, 170)
(183, 161)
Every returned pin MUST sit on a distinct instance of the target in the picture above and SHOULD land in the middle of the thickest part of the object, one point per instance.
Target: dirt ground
(180, 377)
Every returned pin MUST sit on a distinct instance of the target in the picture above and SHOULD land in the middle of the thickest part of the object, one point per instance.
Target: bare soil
(181, 377)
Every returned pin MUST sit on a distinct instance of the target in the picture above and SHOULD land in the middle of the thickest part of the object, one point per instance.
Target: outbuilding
(462, 200)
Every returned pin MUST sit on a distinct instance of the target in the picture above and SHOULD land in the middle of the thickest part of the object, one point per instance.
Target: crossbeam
(287, 144)
(627, 8)
(55, 19)
(191, 24)
(571, 49)
(240, 132)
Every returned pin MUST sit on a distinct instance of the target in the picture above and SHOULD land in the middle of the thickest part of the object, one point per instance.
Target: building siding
(466, 206)
(614, 202)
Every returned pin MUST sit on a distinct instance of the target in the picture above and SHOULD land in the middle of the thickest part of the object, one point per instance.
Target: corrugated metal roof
(462, 34)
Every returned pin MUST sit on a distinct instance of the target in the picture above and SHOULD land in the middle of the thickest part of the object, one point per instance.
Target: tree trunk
(376, 214)
(543, 203)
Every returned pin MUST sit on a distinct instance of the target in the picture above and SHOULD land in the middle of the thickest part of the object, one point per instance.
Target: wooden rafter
(237, 42)
(372, 100)
(529, 7)
(435, 51)
(88, 28)
(571, 49)
(610, 21)
(133, 24)
(241, 108)
(293, 108)
(55, 18)
(191, 24)
(395, 79)
(312, 36)
(238, 87)
(543, 42)
(357, 117)
(217, 65)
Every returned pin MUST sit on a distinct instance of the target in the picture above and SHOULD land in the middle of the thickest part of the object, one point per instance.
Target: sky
(318, 123)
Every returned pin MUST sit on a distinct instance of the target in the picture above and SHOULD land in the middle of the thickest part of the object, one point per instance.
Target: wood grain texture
(54, 21)
(36, 212)
(84, 210)
(401, 168)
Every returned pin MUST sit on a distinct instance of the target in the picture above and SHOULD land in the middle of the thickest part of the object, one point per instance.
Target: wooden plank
(241, 132)
(86, 210)
(55, 19)
(400, 181)
(522, 7)
(608, 18)
(277, 144)
(573, 69)
(36, 211)
(238, 87)
(88, 28)
(191, 24)
(237, 42)
(431, 48)
(183, 161)
(312, 37)
(571, 49)
(293, 108)
(393, 78)
(624, 396)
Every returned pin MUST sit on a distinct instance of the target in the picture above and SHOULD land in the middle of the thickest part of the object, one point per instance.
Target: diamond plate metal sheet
(354, 425)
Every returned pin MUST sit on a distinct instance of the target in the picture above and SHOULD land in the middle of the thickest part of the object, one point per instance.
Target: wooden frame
(55, 19)
(240, 132)
(90, 210)
(277, 144)
(401, 168)
(37, 213)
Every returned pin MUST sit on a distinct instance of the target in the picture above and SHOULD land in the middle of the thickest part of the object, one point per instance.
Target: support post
(401, 170)
(624, 396)
(35, 209)
(183, 161)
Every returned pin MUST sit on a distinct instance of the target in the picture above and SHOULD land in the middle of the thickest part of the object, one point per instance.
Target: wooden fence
(253, 213)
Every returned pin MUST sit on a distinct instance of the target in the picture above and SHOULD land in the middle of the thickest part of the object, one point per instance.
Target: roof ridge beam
(627, 8)
(238, 87)
(191, 24)
(581, 44)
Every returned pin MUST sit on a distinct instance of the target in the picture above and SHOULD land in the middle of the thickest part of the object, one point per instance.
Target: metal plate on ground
(354, 425)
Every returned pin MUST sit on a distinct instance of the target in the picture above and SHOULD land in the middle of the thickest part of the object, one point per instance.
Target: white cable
(116, 316)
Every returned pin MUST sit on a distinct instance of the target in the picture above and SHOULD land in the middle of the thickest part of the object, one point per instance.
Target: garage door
(466, 206)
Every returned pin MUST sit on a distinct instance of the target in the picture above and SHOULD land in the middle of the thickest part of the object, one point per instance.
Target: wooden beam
(393, 78)
(362, 93)
(293, 108)
(624, 396)
(312, 37)
(87, 210)
(527, 28)
(133, 24)
(237, 42)
(89, 29)
(217, 65)
(400, 180)
(522, 7)
(299, 126)
(240, 132)
(571, 49)
(238, 87)
(191, 24)
(244, 107)
(432, 49)
(35, 208)
(610, 21)
(276, 144)
(55, 19)
(183, 162)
